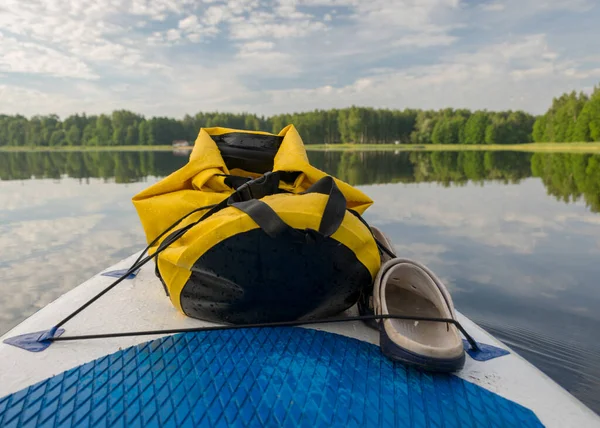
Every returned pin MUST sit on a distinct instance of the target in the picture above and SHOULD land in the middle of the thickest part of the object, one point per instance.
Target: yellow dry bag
(248, 231)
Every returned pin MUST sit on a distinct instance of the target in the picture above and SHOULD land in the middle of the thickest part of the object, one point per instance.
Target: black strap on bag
(263, 215)
(270, 222)
(335, 208)
(246, 199)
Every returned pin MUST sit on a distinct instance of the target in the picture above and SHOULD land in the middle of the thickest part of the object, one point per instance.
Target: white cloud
(425, 39)
(173, 35)
(81, 29)
(383, 53)
(27, 57)
(189, 23)
(16, 99)
(575, 5)
(215, 15)
(198, 28)
(517, 10)
(156, 9)
(508, 73)
(260, 26)
(582, 74)
(531, 49)
(494, 7)
(533, 72)
(259, 45)
(245, 21)
(406, 14)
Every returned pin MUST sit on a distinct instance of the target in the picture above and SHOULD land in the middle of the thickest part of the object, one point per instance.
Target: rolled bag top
(202, 182)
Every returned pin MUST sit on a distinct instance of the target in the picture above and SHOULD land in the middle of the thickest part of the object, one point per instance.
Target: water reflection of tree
(123, 167)
(568, 177)
(449, 168)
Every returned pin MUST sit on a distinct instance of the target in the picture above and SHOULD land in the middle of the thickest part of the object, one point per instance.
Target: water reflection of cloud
(17, 195)
(422, 251)
(531, 220)
(22, 239)
(583, 218)
(495, 214)
(45, 274)
(497, 237)
(481, 278)
(55, 235)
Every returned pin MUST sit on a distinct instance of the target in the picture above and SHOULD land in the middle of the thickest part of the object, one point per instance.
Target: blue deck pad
(290, 377)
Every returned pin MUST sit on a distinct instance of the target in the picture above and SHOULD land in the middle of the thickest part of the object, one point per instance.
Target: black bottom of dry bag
(251, 277)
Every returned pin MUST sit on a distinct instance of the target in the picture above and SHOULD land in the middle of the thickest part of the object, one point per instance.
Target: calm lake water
(516, 236)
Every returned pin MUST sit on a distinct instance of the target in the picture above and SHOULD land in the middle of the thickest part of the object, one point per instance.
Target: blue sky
(168, 57)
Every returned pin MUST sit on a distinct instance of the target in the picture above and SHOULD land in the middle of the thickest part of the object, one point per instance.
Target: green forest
(354, 124)
(571, 118)
(567, 176)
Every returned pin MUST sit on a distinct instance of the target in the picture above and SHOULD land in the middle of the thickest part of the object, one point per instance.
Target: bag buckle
(267, 184)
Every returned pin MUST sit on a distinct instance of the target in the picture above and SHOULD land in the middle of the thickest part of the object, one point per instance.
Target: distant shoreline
(530, 147)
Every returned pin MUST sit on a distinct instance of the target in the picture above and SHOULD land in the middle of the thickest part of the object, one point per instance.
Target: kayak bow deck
(249, 233)
(507, 377)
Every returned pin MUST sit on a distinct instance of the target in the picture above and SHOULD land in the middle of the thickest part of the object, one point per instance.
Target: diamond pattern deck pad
(290, 377)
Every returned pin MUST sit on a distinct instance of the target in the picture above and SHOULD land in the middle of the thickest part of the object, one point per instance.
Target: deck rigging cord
(294, 323)
(141, 261)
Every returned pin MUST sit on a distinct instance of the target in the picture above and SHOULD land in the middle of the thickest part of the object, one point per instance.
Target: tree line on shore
(572, 117)
(350, 125)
